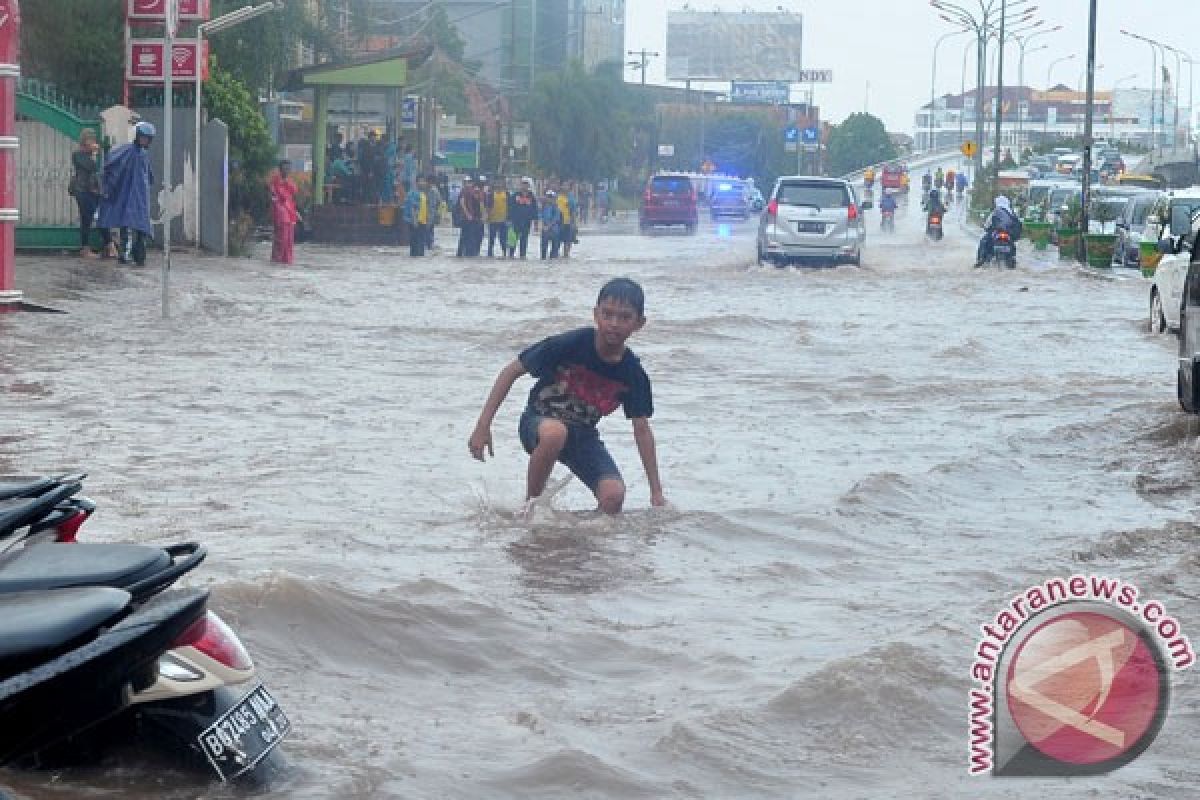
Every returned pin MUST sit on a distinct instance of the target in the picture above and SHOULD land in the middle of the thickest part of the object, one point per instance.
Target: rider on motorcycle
(939, 178)
(1002, 218)
(933, 202)
(869, 176)
(960, 181)
(926, 182)
(887, 206)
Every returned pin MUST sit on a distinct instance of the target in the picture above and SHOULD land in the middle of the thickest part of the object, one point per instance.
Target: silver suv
(811, 218)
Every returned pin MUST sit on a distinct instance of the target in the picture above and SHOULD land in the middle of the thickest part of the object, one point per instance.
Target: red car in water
(891, 177)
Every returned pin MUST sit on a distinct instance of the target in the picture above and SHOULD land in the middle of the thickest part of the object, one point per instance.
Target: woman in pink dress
(283, 214)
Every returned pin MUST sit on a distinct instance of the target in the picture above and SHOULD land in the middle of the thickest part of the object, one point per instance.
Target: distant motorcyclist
(960, 181)
(904, 181)
(926, 182)
(1002, 218)
(888, 204)
(939, 178)
(869, 176)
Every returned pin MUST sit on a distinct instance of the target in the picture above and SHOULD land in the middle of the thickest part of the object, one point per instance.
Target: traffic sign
(969, 149)
(809, 135)
(791, 133)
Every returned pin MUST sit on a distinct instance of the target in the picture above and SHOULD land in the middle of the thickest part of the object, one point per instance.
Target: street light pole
(1153, 82)
(1046, 115)
(932, 83)
(1175, 85)
(957, 15)
(999, 88)
(1022, 42)
(962, 92)
(1087, 124)
(1020, 94)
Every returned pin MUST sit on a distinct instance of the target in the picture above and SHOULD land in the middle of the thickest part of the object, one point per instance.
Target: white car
(1166, 289)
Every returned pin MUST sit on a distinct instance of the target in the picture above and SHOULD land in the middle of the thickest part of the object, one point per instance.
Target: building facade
(513, 41)
(1031, 116)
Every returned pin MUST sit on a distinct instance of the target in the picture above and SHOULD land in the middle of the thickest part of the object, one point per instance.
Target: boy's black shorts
(584, 453)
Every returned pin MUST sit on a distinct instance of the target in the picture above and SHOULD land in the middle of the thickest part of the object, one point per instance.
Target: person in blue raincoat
(128, 177)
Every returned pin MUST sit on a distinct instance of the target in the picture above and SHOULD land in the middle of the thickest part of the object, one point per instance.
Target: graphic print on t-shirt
(579, 395)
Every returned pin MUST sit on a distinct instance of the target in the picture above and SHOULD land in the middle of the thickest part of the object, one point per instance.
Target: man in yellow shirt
(496, 202)
(418, 215)
(567, 206)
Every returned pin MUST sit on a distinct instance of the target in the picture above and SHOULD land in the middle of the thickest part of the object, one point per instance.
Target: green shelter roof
(387, 69)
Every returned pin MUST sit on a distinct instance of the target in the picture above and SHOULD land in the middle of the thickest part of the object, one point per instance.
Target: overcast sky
(889, 44)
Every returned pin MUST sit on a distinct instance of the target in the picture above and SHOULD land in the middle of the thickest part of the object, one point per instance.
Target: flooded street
(863, 465)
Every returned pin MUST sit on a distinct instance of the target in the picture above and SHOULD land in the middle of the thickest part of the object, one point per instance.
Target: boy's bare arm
(481, 437)
(646, 449)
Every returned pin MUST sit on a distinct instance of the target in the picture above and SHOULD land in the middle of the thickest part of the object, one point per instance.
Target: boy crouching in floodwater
(582, 375)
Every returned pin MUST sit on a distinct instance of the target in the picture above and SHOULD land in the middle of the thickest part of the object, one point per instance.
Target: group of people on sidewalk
(113, 195)
(488, 211)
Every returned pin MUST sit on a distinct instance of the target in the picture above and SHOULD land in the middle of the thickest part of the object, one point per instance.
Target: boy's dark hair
(623, 290)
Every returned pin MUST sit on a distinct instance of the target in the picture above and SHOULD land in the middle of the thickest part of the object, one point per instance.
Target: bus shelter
(375, 84)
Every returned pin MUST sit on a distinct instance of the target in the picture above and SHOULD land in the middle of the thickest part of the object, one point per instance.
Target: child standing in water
(582, 375)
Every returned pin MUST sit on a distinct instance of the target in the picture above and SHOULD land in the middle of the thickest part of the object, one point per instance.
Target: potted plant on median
(1100, 245)
(1068, 229)
(1036, 226)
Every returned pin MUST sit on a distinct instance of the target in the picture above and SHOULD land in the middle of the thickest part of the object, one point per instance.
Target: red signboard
(156, 10)
(144, 61)
(10, 19)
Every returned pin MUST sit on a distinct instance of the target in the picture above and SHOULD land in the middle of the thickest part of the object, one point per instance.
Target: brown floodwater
(862, 465)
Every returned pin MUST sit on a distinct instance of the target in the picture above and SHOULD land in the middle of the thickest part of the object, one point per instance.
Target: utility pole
(999, 90)
(644, 59)
(1087, 125)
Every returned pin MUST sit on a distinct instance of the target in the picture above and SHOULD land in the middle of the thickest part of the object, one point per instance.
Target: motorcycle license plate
(244, 734)
(810, 227)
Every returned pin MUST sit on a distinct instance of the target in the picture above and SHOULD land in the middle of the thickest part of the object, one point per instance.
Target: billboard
(775, 92)
(728, 45)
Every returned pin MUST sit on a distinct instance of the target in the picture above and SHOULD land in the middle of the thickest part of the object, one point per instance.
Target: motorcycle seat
(24, 487)
(58, 566)
(35, 626)
(17, 512)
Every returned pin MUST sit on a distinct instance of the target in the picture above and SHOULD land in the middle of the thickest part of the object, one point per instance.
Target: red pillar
(10, 70)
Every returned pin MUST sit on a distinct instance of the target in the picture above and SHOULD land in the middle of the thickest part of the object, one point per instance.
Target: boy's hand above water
(480, 439)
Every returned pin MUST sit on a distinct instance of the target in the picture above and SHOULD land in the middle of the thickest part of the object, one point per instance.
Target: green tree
(228, 99)
(77, 45)
(583, 123)
(445, 74)
(860, 140)
(259, 52)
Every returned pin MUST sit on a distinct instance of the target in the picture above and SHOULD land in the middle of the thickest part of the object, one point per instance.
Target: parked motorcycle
(196, 694)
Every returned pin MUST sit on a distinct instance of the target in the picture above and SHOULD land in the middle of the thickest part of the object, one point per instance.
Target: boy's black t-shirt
(576, 386)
